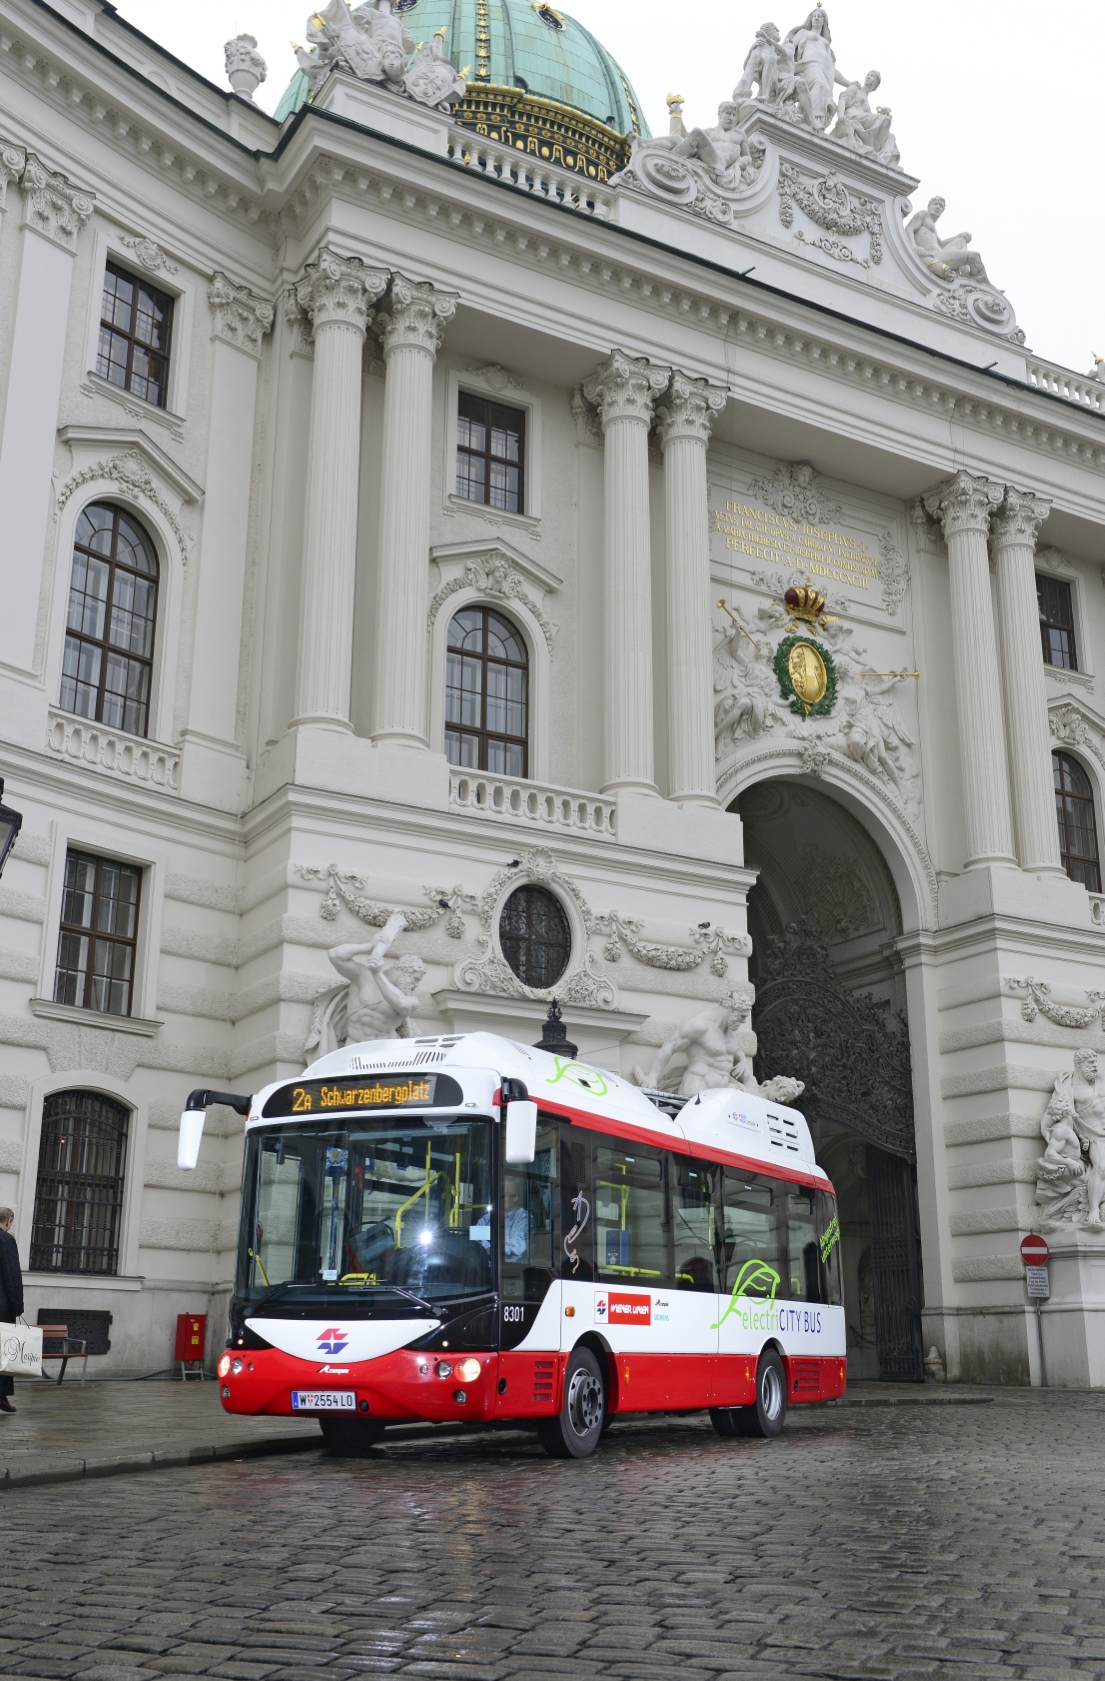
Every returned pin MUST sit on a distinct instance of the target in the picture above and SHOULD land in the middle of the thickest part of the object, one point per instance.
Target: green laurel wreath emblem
(805, 708)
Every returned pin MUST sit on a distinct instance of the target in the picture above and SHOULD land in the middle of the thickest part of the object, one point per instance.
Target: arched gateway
(830, 1010)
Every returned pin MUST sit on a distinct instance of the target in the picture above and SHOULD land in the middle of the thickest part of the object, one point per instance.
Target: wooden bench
(70, 1346)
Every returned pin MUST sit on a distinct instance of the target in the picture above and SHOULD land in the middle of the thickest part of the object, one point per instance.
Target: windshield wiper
(398, 1290)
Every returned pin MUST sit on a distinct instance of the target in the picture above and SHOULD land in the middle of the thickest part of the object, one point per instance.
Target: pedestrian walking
(11, 1295)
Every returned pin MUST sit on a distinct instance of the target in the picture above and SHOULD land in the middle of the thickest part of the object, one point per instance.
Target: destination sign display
(390, 1091)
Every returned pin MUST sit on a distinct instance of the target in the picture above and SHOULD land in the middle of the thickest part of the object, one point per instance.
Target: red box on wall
(191, 1336)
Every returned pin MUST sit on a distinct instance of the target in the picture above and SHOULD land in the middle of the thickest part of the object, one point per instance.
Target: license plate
(324, 1400)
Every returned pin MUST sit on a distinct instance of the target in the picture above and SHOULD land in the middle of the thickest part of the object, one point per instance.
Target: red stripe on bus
(684, 1147)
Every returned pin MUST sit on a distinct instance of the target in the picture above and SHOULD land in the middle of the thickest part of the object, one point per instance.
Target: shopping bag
(21, 1350)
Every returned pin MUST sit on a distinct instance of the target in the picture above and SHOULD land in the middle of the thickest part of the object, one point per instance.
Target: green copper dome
(532, 56)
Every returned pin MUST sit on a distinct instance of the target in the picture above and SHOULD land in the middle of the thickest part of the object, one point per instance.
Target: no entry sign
(1034, 1251)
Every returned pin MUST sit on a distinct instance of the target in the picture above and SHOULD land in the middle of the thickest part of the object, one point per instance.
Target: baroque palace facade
(621, 568)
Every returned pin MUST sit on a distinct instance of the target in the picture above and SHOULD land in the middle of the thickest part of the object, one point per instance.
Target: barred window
(136, 326)
(98, 934)
(535, 936)
(1056, 603)
(81, 1162)
(486, 694)
(108, 659)
(1077, 823)
(490, 453)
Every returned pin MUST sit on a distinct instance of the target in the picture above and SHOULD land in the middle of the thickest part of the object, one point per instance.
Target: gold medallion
(808, 676)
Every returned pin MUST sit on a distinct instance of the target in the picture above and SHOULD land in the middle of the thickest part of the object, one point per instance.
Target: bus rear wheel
(351, 1437)
(768, 1414)
(575, 1431)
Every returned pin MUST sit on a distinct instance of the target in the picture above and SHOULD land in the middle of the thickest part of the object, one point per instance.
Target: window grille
(1056, 603)
(486, 694)
(490, 453)
(1077, 822)
(136, 326)
(108, 659)
(535, 936)
(79, 1195)
(98, 934)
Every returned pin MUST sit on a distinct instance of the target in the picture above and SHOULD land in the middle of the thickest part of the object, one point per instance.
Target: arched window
(108, 659)
(487, 694)
(535, 936)
(79, 1196)
(1077, 824)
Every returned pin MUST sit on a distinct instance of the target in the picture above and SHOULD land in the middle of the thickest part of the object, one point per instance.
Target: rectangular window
(631, 1228)
(490, 453)
(99, 929)
(754, 1235)
(526, 1235)
(1056, 602)
(692, 1222)
(136, 324)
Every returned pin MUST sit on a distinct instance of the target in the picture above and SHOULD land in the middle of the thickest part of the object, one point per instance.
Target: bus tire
(575, 1431)
(768, 1414)
(351, 1437)
(724, 1421)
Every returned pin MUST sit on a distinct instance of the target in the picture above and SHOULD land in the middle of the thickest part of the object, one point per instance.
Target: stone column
(624, 391)
(685, 420)
(54, 213)
(1014, 548)
(336, 293)
(964, 504)
(412, 331)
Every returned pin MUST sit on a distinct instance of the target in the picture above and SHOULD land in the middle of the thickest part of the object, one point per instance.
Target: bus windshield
(372, 1208)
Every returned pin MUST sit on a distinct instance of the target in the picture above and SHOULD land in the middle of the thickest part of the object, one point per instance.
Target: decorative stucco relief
(492, 575)
(1040, 1002)
(1070, 1175)
(148, 254)
(129, 473)
(796, 491)
(1072, 727)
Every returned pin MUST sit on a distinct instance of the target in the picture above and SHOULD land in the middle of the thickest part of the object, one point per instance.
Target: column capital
(1019, 517)
(625, 388)
(416, 317)
(52, 205)
(339, 291)
(241, 318)
(13, 161)
(688, 409)
(963, 503)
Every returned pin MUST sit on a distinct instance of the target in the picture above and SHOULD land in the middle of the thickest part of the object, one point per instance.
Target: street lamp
(10, 824)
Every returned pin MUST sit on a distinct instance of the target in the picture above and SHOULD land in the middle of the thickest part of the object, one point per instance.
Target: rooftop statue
(724, 149)
(245, 68)
(861, 128)
(715, 1057)
(946, 257)
(370, 1003)
(373, 44)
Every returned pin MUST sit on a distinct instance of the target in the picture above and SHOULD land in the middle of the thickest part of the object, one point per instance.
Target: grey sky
(975, 112)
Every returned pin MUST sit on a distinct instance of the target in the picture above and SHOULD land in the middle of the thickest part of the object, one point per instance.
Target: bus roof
(726, 1124)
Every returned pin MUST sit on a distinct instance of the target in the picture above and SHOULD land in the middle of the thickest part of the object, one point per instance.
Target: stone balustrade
(1075, 388)
(530, 174)
(129, 756)
(512, 800)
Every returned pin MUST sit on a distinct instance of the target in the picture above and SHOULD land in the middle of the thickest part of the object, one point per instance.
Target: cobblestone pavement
(949, 1541)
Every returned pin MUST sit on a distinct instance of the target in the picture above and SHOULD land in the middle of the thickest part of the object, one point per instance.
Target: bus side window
(828, 1236)
(576, 1238)
(526, 1263)
(806, 1275)
(691, 1199)
(751, 1237)
(631, 1227)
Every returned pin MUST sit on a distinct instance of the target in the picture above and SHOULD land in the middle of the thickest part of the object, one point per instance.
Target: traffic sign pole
(1034, 1254)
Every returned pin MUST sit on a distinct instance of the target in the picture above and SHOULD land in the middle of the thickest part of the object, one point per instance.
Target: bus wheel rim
(771, 1393)
(584, 1402)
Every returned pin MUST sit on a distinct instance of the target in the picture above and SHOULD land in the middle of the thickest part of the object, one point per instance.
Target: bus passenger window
(828, 1238)
(526, 1263)
(630, 1230)
(692, 1225)
(753, 1252)
(804, 1246)
(577, 1227)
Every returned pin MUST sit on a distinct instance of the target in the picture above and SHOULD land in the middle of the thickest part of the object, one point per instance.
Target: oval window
(535, 936)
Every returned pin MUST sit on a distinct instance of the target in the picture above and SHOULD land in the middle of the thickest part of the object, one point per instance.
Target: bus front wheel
(351, 1437)
(575, 1431)
(768, 1413)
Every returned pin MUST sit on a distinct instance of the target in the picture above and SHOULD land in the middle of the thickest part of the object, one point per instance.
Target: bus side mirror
(521, 1131)
(191, 1131)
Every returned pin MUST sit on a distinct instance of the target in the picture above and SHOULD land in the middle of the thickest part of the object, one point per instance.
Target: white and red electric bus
(468, 1228)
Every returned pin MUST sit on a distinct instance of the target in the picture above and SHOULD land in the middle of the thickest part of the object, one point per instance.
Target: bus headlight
(224, 1365)
(235, 1367)
(443, 1369)
(467, 1370)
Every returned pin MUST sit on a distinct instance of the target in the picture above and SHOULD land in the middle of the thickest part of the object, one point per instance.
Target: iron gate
(856, 1068)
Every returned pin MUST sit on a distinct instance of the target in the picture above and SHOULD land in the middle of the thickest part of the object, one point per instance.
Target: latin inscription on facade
(822, 551)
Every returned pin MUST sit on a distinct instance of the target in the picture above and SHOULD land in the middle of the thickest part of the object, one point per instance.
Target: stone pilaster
(963, 505)
(624, 390)
(411, 330)
(337, 294)
(685, 422)
(1014, 549)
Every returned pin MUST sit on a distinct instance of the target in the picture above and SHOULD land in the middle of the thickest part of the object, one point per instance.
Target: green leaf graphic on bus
(753, 1275)
(579, 1074)
(830, 1237)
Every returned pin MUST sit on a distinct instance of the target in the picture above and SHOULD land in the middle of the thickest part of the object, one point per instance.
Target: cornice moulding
(479, 548)
(94, 1018)
(109, 438)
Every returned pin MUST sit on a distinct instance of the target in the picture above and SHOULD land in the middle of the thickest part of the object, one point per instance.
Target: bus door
(528, 1266)
(752, 1260)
